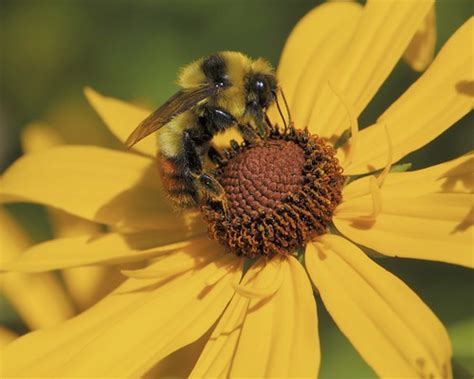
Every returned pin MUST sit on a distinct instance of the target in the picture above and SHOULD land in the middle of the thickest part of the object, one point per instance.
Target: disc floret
(281, 193)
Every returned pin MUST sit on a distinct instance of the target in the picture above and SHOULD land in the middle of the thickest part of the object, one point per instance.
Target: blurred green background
(51, 49)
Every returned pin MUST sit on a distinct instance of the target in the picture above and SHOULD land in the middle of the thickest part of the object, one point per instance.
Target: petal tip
(91, 95)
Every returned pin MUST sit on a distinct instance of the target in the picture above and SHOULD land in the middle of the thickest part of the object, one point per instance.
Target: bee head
(261, 90)
(260, 86)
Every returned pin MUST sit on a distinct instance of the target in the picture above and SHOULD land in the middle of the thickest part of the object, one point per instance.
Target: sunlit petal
(388, 324)
(307, 41)
(383, 33)
(426, 214)
(121, 118)
(324, 57)
(440, 97)
(143, 320)
(273, 336)
(38, 136)
(111, 248)
(101, 185)
(6, 336)
(85, 285)
(39, 299)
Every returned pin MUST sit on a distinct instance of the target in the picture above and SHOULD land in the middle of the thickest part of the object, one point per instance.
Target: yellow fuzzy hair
(238, 66)
(170, 136)
(262, 66)
(191, 75)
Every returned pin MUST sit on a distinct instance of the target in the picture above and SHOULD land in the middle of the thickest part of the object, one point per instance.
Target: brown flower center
(260, 177)
(280, 193)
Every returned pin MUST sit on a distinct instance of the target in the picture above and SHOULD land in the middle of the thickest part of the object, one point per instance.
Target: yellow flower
(266, 322)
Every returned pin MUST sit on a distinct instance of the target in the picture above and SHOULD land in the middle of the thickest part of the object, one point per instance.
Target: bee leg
(210, 185)
(191, 154)
(215, 156)
(214, 190)
(263, 128)
(271, 128)
(248, 134)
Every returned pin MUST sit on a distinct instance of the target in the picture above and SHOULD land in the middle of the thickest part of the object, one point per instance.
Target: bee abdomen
(177, 182)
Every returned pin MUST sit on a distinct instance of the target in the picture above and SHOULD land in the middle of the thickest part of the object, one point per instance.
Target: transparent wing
(178, 103)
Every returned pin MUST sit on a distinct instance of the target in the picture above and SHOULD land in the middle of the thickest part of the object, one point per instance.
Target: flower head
(191, 286)
(281, 193)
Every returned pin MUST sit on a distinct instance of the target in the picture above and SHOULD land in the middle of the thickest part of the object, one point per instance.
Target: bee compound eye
(260, 85)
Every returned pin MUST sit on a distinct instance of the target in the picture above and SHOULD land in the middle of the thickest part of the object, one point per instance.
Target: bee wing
(178, 103)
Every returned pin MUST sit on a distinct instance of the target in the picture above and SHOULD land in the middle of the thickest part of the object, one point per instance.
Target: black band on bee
(178, 181)
(212, 121)
(191, 155)
(185, 191)
(214, 67)
(216, 120)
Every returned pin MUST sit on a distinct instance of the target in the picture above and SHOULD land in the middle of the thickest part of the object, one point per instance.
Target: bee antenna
(286, 105)
(281, 113)
(268, 121)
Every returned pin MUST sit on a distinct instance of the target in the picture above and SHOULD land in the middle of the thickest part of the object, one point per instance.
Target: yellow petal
(180, 363)
(426, 214)
(85, 285)
(101, 185)
(65, 225)
(129, 331)
(323, 58)
(121, 118)
(182, 262)
(6, 336)
(383, 33)
(111, 248)
(430, 106)
(38, 136)
(420, 51)
(39, 299)
(274, 336)
(388, 324)
(307, 41)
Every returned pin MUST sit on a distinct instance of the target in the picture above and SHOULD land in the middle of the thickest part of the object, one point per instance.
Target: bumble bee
(218, 92)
